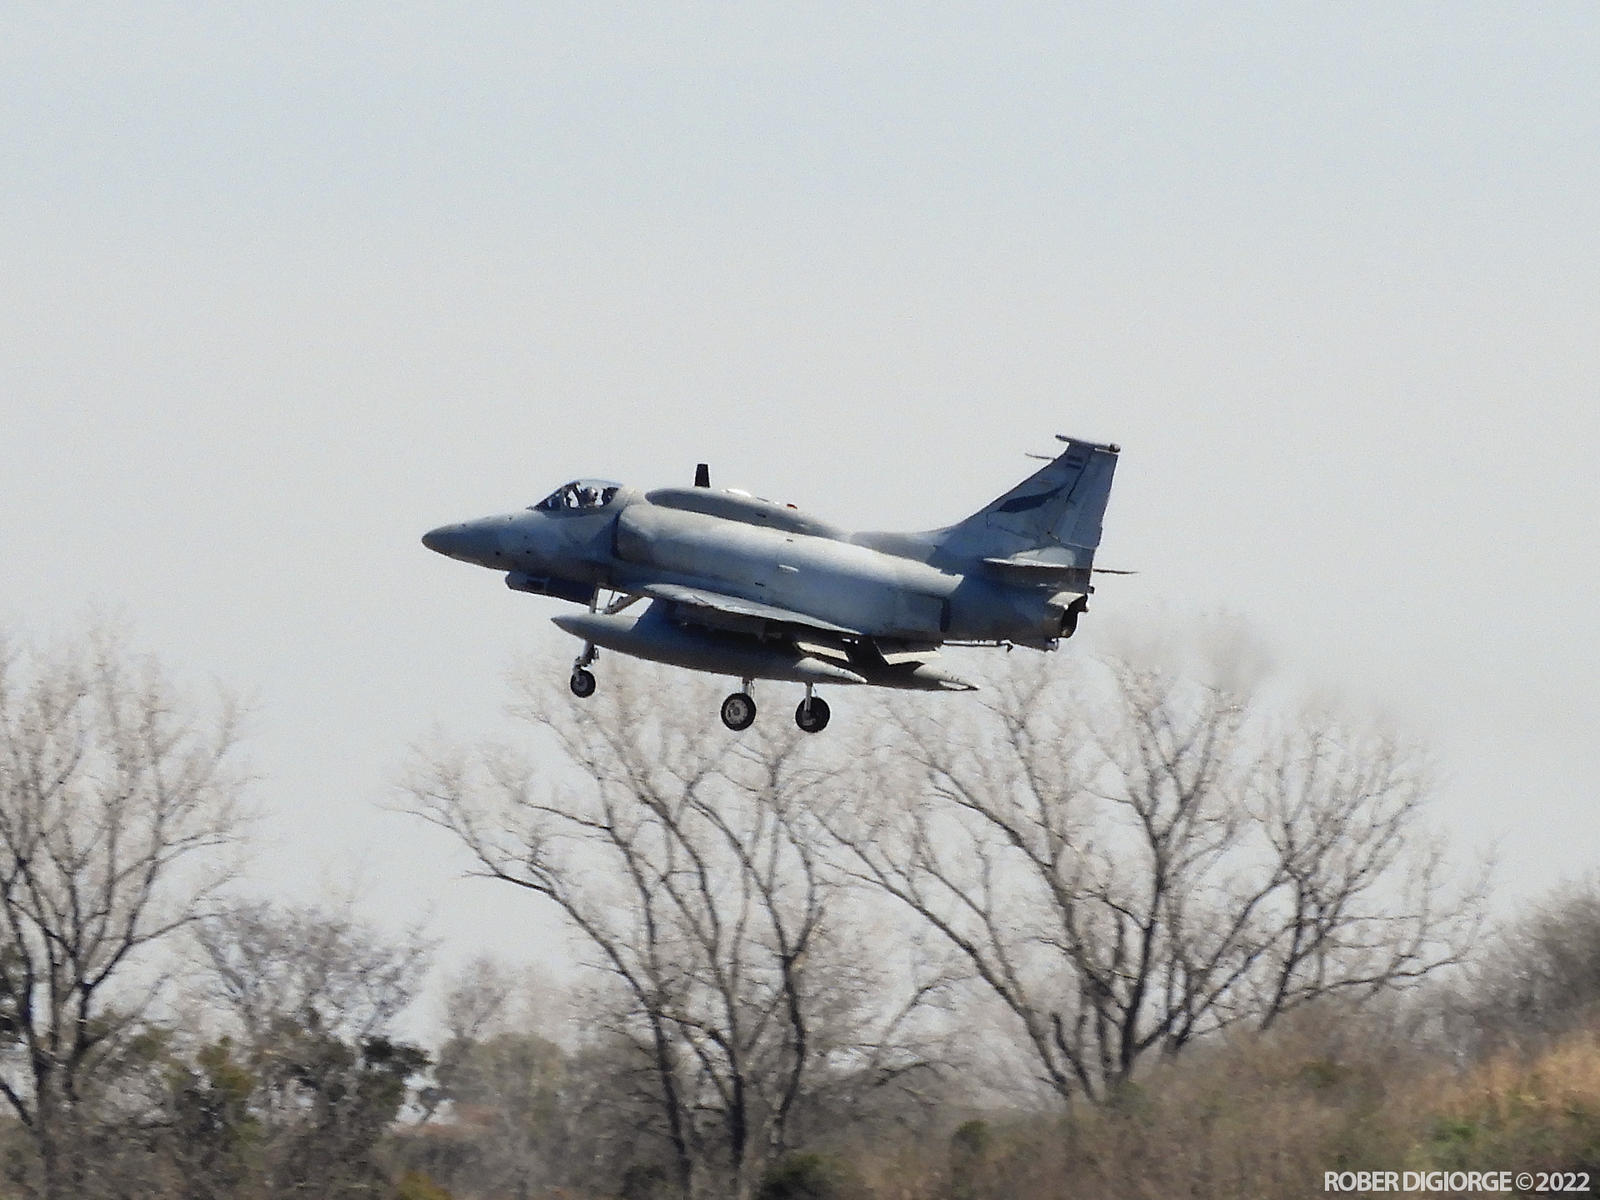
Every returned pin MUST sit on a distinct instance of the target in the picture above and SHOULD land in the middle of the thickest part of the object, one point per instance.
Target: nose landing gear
(582, 681)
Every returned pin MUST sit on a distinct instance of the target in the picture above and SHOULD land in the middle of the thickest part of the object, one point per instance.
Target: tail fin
(1057, 510)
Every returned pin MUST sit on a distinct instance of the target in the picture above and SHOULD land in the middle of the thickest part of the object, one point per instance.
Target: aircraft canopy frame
(579, 495)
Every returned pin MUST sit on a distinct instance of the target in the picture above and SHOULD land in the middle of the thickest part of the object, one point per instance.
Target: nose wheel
(582, 680)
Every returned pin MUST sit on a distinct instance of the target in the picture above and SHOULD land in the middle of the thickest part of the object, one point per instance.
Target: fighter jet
(725, 582)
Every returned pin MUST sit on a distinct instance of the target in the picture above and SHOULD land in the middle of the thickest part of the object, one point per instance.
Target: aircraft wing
(720, 610)
(899, 663)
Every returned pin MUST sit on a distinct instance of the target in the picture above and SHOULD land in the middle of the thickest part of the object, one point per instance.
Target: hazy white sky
(282, 286)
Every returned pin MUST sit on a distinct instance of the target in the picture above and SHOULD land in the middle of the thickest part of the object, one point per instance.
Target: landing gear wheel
(738, 711)
(812, 715)
(582, 683)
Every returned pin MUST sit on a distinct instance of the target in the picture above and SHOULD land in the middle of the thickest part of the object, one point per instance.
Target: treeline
(1119, 929)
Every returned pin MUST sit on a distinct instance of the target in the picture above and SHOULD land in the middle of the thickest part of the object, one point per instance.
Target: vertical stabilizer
(1057, 509)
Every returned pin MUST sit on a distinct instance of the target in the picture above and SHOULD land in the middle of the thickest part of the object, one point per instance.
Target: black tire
(738, 711)
(812, 715)
(582, 683)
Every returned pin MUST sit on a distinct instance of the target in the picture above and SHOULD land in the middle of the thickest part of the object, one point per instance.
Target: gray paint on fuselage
(836, 581)
(574, 545)
(868, 582)
(750, 510)
(1016, 570)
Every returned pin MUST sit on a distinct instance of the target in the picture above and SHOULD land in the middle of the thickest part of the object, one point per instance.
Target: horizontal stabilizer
(1047, 558)
(1056, 565)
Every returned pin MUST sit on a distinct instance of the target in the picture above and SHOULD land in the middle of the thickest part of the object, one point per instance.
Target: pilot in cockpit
(578, 496)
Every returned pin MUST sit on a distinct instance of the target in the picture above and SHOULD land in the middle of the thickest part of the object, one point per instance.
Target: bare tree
(691, 865)
(267, 964)
(115, 795)
(1130, 860)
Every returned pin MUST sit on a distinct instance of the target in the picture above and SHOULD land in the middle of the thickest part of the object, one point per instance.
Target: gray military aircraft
(744, 587)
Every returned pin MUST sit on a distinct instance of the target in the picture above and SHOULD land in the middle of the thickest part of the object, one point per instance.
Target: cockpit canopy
(581, 495)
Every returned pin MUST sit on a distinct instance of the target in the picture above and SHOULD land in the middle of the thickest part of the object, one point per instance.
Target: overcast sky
(283, 286)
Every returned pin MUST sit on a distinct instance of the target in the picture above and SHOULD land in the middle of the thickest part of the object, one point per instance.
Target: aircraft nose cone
(479, 541)
(448, 540)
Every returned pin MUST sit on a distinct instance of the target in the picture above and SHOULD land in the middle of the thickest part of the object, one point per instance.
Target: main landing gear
(813, 713)
(739, 711)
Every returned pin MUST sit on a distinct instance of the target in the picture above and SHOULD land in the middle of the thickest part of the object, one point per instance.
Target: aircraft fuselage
(744, 587)
(760, 552)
